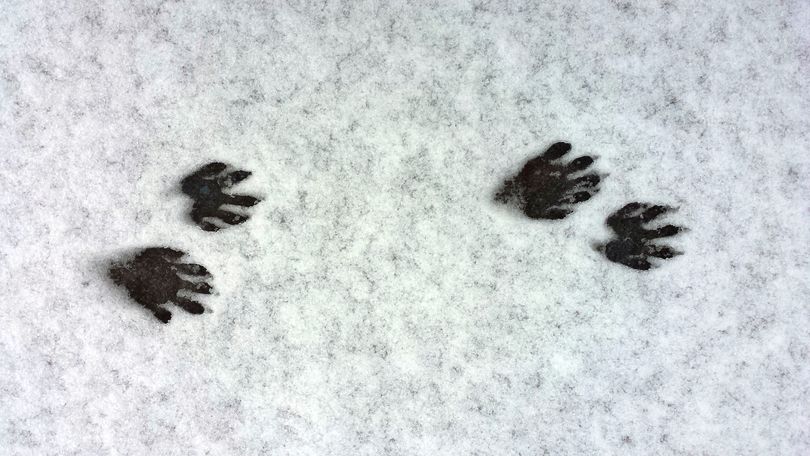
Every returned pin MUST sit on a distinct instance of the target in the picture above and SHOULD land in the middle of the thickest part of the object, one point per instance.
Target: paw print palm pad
(635, 242)
(207, 187)
(547, 188)
(154, 277)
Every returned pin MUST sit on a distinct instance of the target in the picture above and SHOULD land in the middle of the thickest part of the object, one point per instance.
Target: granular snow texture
(379, 301)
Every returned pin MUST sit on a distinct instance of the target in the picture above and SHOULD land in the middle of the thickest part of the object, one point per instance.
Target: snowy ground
(379, 302)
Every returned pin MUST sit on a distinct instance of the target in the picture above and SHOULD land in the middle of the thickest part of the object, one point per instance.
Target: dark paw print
(207, 186)
(154, 277)
(545, 188)
(635, 245)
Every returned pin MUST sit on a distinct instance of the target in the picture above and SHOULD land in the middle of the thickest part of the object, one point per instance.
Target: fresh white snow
(379, 302)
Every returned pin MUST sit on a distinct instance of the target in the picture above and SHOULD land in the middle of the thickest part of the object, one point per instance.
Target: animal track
(154, 277)
(634, 245)
(207, 186)
(545, 188)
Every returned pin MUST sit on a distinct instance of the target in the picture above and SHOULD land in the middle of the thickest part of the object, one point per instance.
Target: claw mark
(206, 187)
(154, 277)
(634, 244)
(544, 188)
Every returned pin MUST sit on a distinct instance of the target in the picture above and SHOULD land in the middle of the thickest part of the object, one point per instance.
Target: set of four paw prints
(548, 187)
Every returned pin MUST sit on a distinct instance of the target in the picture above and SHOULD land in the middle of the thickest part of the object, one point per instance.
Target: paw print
(154, 277)
(206, 187)
(634, 245)
(545, 188)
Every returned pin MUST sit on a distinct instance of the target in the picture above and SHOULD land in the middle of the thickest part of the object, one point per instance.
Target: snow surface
(379, 302)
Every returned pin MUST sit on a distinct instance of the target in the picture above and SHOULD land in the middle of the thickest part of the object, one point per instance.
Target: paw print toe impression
(634, 244)
(155, 277)
(548, 188)
(207, 187)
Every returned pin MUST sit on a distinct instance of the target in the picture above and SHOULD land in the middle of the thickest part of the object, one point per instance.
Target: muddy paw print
(154, 277)
(635, 245)
(207, 187)
(547, 188)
